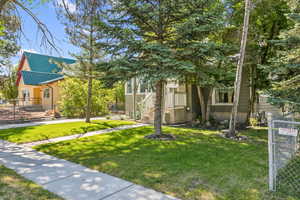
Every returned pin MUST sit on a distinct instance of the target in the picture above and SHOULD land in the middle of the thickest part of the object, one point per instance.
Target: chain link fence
(284, 156)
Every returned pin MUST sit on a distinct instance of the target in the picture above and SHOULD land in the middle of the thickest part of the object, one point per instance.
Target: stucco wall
(47, 102)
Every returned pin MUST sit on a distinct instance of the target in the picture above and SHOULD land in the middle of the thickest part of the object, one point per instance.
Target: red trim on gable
(21, 64)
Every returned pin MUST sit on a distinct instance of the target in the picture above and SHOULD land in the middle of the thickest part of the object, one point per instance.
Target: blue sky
(32, 38)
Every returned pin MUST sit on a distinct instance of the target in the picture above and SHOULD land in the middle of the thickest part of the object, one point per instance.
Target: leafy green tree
(268, 19)
(119, 94)
(11, 26)
(73, 93)
(81, 29)
(9, 29)
(9, 88)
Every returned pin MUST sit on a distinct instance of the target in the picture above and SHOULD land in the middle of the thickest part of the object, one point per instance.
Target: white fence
(284, 155)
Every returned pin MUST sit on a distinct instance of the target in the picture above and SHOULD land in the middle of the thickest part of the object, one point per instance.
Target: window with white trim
(223, 96)
(25, 94)
(143, 86)
(129, 86)
(46, 93)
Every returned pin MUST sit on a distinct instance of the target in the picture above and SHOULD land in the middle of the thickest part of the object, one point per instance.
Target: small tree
(9, 89)
(80, 27)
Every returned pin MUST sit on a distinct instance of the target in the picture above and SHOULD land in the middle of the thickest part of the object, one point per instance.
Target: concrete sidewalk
(54, 122)
(69, 180)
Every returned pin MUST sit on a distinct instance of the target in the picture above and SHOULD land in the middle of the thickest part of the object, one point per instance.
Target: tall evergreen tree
(202, 40)
(144, 41)
(79, 18)
(284, 68)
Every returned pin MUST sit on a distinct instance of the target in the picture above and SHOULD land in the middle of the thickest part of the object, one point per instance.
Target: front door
(36, 96)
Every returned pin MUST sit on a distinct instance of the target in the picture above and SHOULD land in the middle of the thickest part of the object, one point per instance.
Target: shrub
(253, 121)
(74, 94)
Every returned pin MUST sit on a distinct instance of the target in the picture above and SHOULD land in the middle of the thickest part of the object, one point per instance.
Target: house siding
(223, 112)
(180, 114)
(129, 102)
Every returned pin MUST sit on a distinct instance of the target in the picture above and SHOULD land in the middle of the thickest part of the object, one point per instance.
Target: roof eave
(51, 81)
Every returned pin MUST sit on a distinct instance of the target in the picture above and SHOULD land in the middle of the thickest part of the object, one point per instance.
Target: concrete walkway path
(69, 180)
(82, 135)
(117, 117)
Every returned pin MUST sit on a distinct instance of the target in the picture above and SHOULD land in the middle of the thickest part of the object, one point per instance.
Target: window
(223, 96)
(25, 94)
(46, 93)
(129, 87)
(143, 86)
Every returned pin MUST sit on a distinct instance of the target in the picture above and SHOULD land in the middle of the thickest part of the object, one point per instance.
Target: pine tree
(202, 40)
(79, 18)
(284, 68)
(143, 42)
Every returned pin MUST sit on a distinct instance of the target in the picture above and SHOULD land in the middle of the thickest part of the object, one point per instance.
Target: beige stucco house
(38, 78)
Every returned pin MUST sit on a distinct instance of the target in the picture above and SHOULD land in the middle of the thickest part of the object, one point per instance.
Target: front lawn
(198, 165)
(43, 132)
(14, 187)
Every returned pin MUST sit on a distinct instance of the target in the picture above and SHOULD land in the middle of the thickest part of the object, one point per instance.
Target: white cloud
(86, 31)
(71, 6)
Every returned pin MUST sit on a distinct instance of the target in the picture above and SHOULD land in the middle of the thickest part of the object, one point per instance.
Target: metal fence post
(270, 149)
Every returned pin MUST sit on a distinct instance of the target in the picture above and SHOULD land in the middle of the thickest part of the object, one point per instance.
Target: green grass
(199, 164)
(14, 187)
(43, 132)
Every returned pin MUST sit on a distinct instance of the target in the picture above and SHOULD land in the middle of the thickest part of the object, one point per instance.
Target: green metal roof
(39, 78)
(44, 63)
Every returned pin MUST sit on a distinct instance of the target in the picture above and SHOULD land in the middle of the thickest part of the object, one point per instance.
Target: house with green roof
(38, 78)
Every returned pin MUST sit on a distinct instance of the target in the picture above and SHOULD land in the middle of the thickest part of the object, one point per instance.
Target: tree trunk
(89, 100)
(90, 66)
(208, 106)
(134, 98)
(202, 104)
(253, 96)
(238, 80)
(158, 106)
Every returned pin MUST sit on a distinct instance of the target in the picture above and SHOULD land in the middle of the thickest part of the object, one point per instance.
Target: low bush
(74, 94)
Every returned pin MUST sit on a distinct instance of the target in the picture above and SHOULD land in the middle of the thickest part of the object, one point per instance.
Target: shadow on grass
(43, 132)
(13, 186)
(197, 165)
